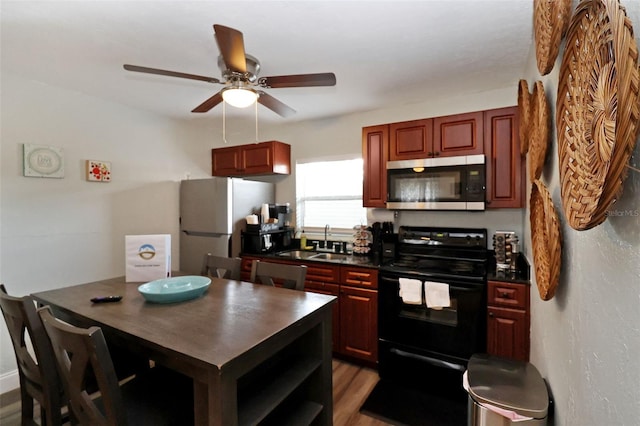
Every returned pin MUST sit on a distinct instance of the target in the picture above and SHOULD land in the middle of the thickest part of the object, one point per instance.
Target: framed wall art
(98, 171)
(43, 161)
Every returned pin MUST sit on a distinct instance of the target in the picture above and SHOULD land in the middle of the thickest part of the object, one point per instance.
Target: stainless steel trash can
(502, 390)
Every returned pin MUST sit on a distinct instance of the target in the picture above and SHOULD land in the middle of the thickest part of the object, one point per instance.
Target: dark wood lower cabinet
(506, 334)
(359, 323)
(355, 316)
(333, 290)
(508, 320)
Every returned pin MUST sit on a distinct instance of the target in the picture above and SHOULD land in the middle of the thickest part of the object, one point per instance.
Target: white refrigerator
(212, 216)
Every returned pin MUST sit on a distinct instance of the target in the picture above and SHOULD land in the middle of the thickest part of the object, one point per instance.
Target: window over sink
(329, 193)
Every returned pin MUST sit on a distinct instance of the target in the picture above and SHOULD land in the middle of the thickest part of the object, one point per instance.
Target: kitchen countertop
(520, 276)
(323, 257)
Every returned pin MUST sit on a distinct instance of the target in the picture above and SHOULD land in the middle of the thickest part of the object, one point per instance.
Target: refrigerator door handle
(204, 234)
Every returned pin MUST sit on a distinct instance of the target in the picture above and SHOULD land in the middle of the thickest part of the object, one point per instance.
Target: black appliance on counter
(426, 350)
(269, 237)
(383, 241)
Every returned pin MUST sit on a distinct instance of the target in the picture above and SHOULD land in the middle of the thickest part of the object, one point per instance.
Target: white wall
(586, 340)
(59, 232)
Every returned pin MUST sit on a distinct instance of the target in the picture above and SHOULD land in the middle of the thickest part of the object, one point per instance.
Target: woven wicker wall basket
(550, 22)
(540, 124)
(524, 101)
(597, 110)
(545, 239)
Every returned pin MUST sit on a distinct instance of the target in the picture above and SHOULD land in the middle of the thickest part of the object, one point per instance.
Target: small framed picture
(43, 161)
(98, 171)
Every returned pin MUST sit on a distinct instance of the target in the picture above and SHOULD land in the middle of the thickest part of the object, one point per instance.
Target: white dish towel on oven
(436, 295)
(411, 291)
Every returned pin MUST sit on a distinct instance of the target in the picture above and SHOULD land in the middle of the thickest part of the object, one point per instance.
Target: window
(329, 193)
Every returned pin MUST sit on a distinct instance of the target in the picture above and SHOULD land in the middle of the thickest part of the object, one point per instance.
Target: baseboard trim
(9, 381)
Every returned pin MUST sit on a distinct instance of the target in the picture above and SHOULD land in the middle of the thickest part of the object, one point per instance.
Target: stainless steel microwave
(443, 183)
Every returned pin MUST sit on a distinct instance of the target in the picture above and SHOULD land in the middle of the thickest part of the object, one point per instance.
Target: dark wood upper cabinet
(493, 133)
(505, 165)
(263, 158)
(411, 139)
(459, 134)
(375, 146)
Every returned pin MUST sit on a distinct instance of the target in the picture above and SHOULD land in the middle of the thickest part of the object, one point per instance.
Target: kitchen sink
(330, 256)
(298, 254)
(314, 255)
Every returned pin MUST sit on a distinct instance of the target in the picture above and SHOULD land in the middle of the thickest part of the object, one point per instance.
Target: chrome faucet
(326, 231)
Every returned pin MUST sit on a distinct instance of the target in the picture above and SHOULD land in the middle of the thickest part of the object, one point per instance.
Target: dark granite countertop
(520, 275)
(344, 259)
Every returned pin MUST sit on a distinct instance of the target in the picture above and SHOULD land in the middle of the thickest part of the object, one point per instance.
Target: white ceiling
(383, 53)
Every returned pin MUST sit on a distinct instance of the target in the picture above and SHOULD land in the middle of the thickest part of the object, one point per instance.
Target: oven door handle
(451, 286)
(429, 360)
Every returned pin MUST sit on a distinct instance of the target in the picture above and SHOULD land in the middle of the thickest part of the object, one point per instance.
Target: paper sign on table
(148, 257)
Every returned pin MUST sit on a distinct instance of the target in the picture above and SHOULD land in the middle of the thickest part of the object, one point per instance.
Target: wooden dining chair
(221, 267)
(157, 396)
(39, 379)
(291, 276)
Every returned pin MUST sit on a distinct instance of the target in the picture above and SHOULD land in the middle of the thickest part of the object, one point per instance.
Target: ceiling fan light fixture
(239, 97)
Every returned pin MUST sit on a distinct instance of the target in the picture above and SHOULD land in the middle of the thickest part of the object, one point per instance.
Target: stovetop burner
(446, 252)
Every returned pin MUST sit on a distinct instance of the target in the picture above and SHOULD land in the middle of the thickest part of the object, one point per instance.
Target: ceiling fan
(240, 77)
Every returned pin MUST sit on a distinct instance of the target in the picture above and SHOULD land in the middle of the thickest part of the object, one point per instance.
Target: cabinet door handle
(491, 314)
(437, 154)
(505, 295)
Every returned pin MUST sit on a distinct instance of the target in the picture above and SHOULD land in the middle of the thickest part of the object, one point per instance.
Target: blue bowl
(176, 289)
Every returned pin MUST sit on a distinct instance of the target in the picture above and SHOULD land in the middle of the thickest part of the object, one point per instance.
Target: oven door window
(438, 184)
(444, 316)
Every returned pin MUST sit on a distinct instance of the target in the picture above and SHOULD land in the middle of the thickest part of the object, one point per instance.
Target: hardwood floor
(351, 386)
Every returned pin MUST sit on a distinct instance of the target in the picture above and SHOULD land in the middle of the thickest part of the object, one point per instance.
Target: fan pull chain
(224, 121)
(256, 106)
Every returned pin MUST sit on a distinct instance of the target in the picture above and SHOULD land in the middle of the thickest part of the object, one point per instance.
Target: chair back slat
(221, 267)
(83, 357)
(39, 378)
(268, 273)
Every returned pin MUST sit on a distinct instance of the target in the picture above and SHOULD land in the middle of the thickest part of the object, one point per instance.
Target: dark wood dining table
(254, 352)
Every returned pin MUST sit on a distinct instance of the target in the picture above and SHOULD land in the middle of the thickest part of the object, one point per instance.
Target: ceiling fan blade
(147, 70)
(275, 105)
(299, 80)
(209, 103)
(231, 45)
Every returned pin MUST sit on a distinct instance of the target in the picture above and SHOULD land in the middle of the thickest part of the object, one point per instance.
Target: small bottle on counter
(303, 241)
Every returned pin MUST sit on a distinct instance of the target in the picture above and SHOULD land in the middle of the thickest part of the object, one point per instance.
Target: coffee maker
(282, 214)
(272, 236)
